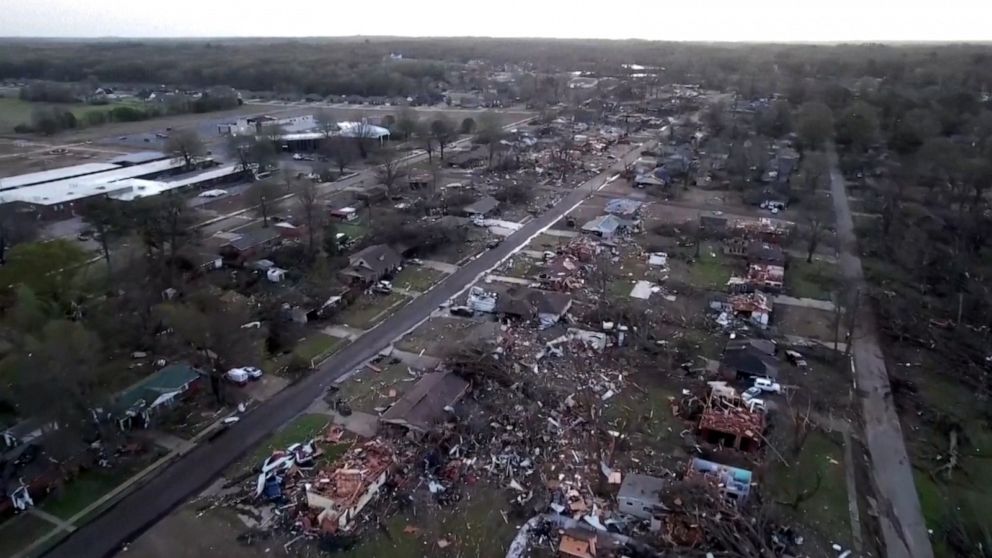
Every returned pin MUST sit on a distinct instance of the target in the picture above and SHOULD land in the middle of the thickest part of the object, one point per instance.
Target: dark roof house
(483, 206)
(748, 361)
(526, 303)
(373, 263)
(423, 407)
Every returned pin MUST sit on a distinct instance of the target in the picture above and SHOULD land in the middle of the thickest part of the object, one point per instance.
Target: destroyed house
(527, 304)
(467, 159)
(733, 427)
(766, 277)
(623, 207)
(342, 492)
(578, 543)
(640, 496)
(763, 229)
(748, 362)
(755, 307)
(482, 207)
(713, 223)
(764, 253)
(372, 263)
(424, 406)
(734, 483)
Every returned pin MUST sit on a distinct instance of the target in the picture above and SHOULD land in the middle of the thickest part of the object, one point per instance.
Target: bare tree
(342, 151)
(185, 146)
(305, 192)
(390, 169)
(561, 156)
(818, 217)
(406, 123)
(814, 171)
(326, 123)
(251, 153)
(443, 131)
(107, 219)
(427, 140)
(262, 195)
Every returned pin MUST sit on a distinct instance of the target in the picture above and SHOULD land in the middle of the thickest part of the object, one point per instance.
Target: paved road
(147, 504)
(904, 530)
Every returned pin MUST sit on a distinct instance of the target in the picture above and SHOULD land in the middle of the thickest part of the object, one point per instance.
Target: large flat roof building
(51, 175)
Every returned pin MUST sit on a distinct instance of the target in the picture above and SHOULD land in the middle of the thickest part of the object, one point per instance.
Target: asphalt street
(904, 530)
(105, 535)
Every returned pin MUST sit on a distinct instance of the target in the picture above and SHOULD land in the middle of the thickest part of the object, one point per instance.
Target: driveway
(147, 504)
(903, 529)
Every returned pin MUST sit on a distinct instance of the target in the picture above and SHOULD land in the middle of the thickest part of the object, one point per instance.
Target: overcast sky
(699, 20)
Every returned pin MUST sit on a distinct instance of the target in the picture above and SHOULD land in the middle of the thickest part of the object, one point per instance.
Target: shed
(640, 496)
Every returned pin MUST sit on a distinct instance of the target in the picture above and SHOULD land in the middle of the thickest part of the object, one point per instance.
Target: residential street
(143, 507)
(903, 528)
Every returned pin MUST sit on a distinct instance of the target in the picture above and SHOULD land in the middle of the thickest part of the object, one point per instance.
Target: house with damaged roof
(425, 405)
(344, 489)
(525, 303)
(749, 358)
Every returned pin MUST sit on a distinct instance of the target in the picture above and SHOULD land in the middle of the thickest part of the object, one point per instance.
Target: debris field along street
(147, 504)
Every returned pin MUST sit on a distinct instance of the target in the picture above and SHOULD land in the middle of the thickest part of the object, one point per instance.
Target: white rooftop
(50, 175)
(120, 183)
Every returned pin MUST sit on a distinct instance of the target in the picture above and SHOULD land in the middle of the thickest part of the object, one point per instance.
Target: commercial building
(61, 194)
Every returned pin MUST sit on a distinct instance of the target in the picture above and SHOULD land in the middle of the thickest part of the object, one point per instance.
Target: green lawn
(370, 389)
(826, 511)
(418, 279)
(473, 527)
(710, 271)
(301, 429)
(355, 229)
(368, 310)
(85, 489)
(810, 280)
(318, 344)
(18, 532)
(969, 491)
(15, 111)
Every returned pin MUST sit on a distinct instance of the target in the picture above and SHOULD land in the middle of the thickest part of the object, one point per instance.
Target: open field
(15, 111)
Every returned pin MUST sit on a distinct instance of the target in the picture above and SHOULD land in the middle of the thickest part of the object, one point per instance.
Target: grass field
(15, 111)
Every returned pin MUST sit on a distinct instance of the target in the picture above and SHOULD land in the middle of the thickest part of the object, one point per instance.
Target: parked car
(253, 372)
(237, 376)
(767, 384)
(382, 287)
(415, 261)
(751, 394)
(216, 193)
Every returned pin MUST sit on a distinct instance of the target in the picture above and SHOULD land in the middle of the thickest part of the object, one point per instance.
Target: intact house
(608, 226)
(250, 245)
(372, 264)
(748, 361)
(482, 207)
(424, 406)
(640, 496)
(137, 405)
(527, 304)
